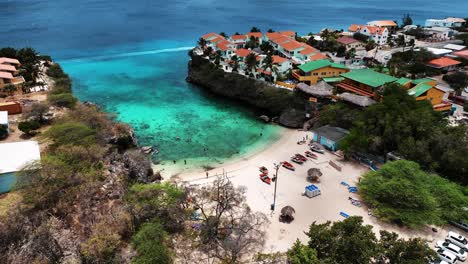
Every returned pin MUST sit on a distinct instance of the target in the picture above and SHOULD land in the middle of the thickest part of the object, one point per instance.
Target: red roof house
(444, 63)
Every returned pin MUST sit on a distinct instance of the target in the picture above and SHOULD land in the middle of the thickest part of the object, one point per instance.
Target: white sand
(291, 184)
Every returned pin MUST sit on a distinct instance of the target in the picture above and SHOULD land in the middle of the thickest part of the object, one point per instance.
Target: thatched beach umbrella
(314, 174)
(287, 214)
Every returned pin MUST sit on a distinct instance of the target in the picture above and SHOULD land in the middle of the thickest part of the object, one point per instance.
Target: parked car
(456, 250)
(457, 239)
(447, 256)
(461, 224)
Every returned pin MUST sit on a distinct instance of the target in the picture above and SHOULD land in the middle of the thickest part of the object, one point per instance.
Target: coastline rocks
(265, 118)
(292, 118)
(259, 94)
(138, 166)
(147, 149)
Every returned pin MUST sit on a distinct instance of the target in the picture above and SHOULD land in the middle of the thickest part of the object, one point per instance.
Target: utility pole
(275, 179)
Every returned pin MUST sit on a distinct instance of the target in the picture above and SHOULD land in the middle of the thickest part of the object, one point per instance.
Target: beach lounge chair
(343, 214)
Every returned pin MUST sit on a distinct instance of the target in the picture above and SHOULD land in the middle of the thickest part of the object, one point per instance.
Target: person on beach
(207, 175)
(185, 162)
(174, 161)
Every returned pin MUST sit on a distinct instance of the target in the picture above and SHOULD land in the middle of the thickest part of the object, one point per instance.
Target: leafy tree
(401, 192)
(66, 100)
(158, 201)
(37, 112)
(340, 52)
(349, 241)
(223, 34)
(463, 37)
(340, 115)
(255, 29)
(270, 30)
(458, 81)
(361, 37)
(28, 127)
(267, 47)
(401, 41)
(55, 71)
(407, 20)
(336, 243)
(418, 33)
(8, 52)
(302, 254)
(3, 131)
(201, 42)
(152, 245)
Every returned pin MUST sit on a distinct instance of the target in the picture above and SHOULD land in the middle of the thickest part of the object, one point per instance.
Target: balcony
(299, 77)
(17, 80)
(355, 89)
(442, 107)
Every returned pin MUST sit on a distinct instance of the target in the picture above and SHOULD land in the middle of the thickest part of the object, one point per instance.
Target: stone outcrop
(259, 94)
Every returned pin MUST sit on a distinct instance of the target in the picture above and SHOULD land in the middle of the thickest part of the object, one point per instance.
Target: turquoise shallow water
(148, 91)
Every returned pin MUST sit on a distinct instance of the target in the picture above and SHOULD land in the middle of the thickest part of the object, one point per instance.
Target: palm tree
(251, 62)
(202, 42)
(268, 62)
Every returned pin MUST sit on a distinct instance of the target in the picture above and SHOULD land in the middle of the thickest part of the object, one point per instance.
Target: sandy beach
(290, 189)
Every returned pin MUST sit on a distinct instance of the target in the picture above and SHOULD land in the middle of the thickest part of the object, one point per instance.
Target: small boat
(264, 178)
(287, 165)
(311, 155)
(299, 156)
(317, 148)
(297, 160)
(263, 169)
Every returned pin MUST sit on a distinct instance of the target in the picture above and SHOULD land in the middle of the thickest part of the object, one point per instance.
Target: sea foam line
(126, 54)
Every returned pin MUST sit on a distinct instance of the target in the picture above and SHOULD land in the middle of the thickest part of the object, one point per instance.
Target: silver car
(456, 250)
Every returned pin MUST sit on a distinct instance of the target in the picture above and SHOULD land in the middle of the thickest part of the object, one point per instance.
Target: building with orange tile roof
(462, 54)
(388, 24)
(444, 63)
(243, 52)
(350, 43)
(378, 34)
(8, 73)
(258, 35)
(288, 33)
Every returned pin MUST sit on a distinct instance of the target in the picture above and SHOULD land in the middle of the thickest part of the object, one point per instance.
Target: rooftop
(8, 68)
(321, 89)
(243, 52)
(369, 77)
(6, 75)
(207, 36)
(454, 47)
(360, 100)
(422, 80)
(288, 33)
(238, 37)
(332, 133)
(403, 81)
(318, 56)
(437, 51)
(419, 89)
(461, 53)
(292, 45)
(3, 117)
(308, 50)
(383, 23)
(346, 40)
(14, 156)
(9, 60)
(443, 62)
(332, 79)
(278, 59)
(255, 34)
(318, 64)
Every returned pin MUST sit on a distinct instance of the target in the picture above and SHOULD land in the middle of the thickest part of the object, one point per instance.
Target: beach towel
(343, 214)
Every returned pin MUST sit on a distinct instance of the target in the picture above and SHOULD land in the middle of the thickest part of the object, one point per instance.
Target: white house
(441, 33)
(284, 65)
(378, 34)
(447, 22)
(4, 119)
(14, 157)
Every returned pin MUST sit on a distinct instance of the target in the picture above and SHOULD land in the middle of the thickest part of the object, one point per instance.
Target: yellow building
(314, 71)
(425, 89)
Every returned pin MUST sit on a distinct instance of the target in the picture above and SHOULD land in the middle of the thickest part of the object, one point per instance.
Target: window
(323, 73)
(315, 73)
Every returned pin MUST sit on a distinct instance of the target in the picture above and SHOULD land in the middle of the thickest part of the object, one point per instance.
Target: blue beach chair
(343, 214)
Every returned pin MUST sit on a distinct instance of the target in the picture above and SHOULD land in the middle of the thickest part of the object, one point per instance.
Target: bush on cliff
(66, 100)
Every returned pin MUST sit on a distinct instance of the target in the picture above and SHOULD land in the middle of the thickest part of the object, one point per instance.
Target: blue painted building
(329, 136)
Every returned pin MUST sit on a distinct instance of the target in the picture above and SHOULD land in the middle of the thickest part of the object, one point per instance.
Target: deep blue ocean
(130, 57)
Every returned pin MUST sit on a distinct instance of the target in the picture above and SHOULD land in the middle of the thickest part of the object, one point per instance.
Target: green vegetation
(401, 192)
(458, 81)
(29, 60)
(411, 128)
(411, 64)
(78, 133)
(406, 20)
(151, 243)
(351, 242)
(66, 100)
(340, 115)
(463, 37)
(9, 89)
(28, 127)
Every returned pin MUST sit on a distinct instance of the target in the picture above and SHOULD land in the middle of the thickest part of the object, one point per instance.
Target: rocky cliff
(263, 96)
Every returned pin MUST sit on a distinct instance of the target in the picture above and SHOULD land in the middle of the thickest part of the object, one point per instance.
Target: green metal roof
(318, 64)
(333, 79)
(419, 89)
(369, 77)
(403, 81)
(422, 80)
